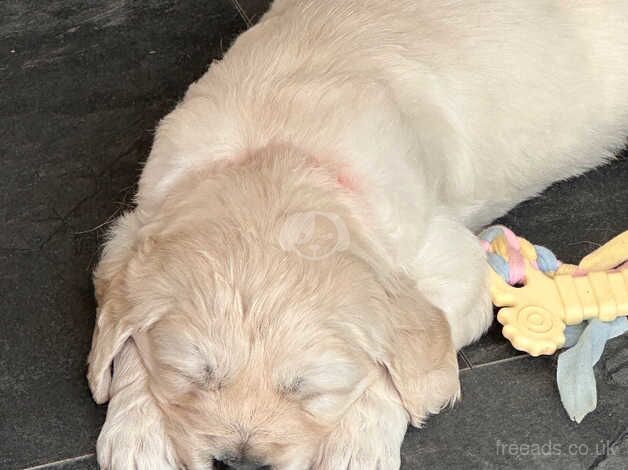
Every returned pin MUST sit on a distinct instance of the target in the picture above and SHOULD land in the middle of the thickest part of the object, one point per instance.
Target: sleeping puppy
(300, 269)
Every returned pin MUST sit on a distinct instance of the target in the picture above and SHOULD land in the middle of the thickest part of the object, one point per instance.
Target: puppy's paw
(133, 436)
(366, 452)
(369, 436)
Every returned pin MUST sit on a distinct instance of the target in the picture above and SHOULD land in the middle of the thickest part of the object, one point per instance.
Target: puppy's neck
(300, 158)
(262, 191)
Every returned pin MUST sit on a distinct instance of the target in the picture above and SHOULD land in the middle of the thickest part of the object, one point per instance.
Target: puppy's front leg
(370, 434)
(451, 271)
(133, 436)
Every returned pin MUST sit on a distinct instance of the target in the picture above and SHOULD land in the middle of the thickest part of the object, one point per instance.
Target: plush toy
(549, 305)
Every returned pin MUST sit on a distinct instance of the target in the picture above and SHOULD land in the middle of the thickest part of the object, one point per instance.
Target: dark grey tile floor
(82, 85)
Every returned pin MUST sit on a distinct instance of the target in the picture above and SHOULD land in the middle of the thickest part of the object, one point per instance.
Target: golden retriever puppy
(300, 269)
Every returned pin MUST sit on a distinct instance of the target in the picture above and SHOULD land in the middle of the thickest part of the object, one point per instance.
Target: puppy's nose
(239, 463)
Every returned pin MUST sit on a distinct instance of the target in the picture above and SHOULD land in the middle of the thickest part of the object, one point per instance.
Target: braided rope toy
(552, 294)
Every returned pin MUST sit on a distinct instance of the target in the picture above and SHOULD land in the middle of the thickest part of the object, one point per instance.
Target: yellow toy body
(535, 314)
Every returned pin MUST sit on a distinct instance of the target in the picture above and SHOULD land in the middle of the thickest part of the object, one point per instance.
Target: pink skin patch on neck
(347, 181)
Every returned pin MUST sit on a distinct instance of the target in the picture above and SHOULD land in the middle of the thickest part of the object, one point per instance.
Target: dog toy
(560, 305)
(552, 294)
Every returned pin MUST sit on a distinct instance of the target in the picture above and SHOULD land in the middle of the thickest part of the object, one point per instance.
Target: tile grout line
(59, 462)
(499, 361)
(465, 359)
(242, 13)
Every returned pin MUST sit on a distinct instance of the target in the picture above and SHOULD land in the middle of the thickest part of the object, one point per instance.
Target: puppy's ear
(419, 354)
(110, 334)
(114, 325)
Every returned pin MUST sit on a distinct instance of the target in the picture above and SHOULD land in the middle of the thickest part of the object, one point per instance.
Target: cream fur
(398, 127)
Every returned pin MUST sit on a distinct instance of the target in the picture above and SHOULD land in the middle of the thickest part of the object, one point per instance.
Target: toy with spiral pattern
(539, 295)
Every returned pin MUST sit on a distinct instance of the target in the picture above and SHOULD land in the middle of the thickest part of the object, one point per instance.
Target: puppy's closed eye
(203, 379)
(320, 377)
(292, 387)
(323, 386)
(182, 364)
(196, 371)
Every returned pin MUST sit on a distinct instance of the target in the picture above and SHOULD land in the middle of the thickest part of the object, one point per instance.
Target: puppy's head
(254, 352)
